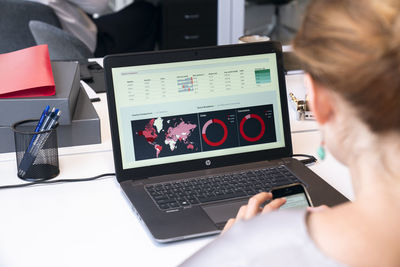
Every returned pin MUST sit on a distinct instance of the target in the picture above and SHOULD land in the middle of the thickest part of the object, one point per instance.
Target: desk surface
(91, 223)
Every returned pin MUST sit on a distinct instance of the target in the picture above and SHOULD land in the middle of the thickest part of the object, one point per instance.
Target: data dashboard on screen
(173, 112)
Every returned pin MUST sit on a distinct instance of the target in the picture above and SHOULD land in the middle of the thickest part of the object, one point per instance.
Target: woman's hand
(318, 209)
(253, 208)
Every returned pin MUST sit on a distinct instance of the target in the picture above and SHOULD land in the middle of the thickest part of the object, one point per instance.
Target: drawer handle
(191, 37)
(191, 16)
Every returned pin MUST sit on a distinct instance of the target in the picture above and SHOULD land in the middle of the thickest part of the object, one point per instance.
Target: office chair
(14, 18)
(276, 25)
(62, 45)
(25, 23)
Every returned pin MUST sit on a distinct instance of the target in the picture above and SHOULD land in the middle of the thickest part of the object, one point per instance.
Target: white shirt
(74, 20)
(276, 239)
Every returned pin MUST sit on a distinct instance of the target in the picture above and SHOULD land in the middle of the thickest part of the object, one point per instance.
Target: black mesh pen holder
(37, 152)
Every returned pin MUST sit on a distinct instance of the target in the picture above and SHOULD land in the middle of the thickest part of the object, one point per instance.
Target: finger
(228, 225)
(274, 205)
(318, 209)
(253, 207)
(241, 213)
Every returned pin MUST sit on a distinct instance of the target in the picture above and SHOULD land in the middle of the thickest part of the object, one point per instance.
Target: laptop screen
(180, 111)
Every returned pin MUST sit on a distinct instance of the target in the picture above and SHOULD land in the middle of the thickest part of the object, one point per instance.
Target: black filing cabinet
(188, 23)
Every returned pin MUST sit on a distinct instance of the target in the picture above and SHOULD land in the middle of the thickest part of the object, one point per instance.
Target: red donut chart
(203, 132)
(258, 137)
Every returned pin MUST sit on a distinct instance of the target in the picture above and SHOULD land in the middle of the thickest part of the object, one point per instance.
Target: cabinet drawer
(182, 38)
(189, 12)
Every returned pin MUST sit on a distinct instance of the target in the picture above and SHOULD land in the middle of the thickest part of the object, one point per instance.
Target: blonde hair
(353, 48)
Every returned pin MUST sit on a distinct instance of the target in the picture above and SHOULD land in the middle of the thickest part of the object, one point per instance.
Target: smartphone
(296, 196)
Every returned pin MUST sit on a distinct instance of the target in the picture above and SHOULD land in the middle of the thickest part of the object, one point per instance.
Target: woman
(351, 54)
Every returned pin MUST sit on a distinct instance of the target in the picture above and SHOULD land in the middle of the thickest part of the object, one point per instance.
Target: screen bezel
(169, 56)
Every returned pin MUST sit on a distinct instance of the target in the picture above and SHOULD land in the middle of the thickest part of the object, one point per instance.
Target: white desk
(91, 223)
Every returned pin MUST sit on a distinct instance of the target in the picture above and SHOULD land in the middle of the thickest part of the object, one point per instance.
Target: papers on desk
(90, 92)
(26, 73)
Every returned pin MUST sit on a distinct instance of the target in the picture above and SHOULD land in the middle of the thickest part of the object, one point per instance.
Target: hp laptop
(196, 132)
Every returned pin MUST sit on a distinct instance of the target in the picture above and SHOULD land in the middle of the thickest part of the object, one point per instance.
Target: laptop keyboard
(195, 191)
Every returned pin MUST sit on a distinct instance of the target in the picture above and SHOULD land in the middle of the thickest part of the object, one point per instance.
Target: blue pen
(42, 118)
(38, 143)
(53, 120)
(46, 120)
(37, 129)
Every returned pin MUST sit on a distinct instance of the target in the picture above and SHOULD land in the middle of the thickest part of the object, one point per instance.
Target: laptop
(196, 132)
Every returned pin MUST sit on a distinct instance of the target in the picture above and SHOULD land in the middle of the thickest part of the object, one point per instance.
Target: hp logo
(208, 162)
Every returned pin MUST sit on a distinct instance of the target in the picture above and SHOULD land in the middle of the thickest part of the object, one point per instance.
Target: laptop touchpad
(221, 213)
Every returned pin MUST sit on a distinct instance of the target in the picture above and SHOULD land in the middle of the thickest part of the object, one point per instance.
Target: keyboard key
(164, 206)
(222, 197)
(174, 205)
(164, 201)
(193, 201)
(250, 192)
(184, 203)
(160, 197)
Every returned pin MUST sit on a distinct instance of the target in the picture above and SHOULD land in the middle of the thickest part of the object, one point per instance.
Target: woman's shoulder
(278, 238)
(351, 235)
(285, 238)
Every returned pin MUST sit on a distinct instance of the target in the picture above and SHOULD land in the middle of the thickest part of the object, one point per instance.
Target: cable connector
(309, 159)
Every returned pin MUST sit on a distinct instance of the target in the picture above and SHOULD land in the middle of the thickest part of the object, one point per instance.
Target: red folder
(26, 73)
